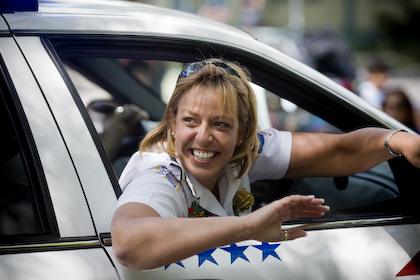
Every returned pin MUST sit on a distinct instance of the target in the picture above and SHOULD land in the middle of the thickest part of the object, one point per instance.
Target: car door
(372, 231)
(46, 225)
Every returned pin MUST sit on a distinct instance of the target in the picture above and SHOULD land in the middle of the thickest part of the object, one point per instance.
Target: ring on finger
(286, 235)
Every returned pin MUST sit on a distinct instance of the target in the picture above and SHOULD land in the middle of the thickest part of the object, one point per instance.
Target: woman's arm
(144, 240)
(333, 155)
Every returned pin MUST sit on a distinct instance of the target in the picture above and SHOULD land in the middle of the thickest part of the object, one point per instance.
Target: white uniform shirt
(162, 183)
(371, 94)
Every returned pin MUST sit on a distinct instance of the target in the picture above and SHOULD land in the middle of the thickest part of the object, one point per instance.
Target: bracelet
(387, 143)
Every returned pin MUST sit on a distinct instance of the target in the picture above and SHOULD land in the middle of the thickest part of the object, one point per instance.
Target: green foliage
(402, 33)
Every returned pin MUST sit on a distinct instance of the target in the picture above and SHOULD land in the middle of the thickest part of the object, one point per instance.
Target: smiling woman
(193, 165)
(200, 160)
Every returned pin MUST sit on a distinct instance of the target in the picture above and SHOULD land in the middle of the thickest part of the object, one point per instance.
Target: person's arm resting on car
(144, 240)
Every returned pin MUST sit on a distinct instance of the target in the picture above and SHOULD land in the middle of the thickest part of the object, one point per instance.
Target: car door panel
(74, 251)
(52, 265)
(341, 253)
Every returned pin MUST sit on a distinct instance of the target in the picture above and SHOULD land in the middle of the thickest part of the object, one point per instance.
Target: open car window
(142, 73)
(375, 185)
(287, 116)
(108, 85)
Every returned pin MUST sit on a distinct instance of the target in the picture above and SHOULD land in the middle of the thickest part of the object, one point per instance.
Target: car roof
(125, 17)
(110, 17)
(128, 18)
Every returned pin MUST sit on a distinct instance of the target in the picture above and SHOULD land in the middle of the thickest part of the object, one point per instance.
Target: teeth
(203, 155)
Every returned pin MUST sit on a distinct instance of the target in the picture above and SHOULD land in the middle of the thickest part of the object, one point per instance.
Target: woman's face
(205, 140)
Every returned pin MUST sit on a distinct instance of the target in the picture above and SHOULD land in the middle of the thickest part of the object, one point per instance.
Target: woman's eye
(189, 120)
(221, 125)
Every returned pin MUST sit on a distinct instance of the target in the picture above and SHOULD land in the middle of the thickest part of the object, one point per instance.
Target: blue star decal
(206, 256)
(268, 250)
(236, 252)
(178, 263)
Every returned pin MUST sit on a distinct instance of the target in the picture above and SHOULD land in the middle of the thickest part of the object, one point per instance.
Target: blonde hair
(236, 95)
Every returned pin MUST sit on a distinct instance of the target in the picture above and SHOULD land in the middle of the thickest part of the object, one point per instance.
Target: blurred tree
(401, 33)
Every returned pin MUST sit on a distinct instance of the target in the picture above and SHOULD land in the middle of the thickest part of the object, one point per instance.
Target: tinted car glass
(22, 203)
(17, 215)
(147, 84)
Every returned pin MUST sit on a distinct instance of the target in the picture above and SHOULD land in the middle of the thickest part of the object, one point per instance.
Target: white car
(63, 62)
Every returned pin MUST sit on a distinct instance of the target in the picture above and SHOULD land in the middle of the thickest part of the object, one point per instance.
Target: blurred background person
(119, 129)
(373, 89)
(251, 14)
(398, 106)
(215, 10)
(330, 53)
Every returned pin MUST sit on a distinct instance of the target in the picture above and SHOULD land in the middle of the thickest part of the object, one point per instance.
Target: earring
(172, 133)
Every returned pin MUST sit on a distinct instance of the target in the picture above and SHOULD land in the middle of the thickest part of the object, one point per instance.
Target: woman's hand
(266, 222)
(143, 240)
(130, 116)
(123, 124)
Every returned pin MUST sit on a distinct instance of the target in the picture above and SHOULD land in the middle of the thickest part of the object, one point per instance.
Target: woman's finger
(288, 235)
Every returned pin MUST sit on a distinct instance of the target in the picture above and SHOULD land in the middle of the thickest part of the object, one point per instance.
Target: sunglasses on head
(198, 66)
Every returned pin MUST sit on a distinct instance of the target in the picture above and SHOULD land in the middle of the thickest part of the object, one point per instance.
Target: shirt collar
(227, 183)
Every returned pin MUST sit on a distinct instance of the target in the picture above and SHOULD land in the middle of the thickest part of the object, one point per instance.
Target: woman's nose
(204, 134)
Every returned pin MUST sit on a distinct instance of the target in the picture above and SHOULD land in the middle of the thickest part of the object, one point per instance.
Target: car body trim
(106, 238)
(85, 243)
(347, 223)
(4, 28)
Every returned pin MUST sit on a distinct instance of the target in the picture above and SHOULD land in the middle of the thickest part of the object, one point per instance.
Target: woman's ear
(238, 142)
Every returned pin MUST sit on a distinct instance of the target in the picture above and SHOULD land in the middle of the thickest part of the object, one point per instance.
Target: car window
(375, 185)
(145, 85)
(291, 104)
(22, 209)
(16, 202)
(285, 115)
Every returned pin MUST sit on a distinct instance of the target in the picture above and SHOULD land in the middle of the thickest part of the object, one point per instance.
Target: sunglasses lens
(193, 68)
(229, 69)
(198, 66)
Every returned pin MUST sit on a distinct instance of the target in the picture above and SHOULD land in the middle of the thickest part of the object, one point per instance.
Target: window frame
(41, 198)
(307, 94)
(72, 221)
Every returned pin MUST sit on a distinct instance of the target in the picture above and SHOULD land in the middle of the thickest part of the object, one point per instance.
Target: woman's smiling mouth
(203, 155)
